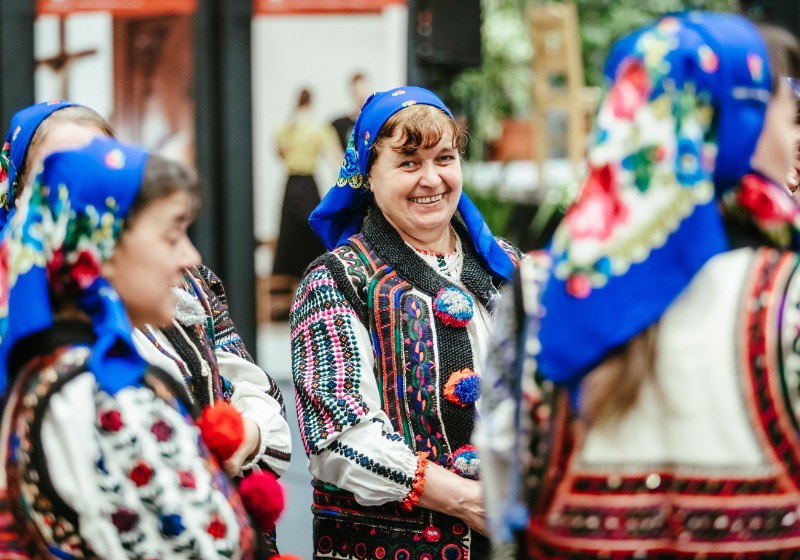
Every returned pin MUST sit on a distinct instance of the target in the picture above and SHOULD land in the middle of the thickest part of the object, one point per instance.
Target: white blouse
(251, 397)
(129, 466)
(348, 438)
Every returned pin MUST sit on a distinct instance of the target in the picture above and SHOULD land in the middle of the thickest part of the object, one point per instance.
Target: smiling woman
(388, 333)
(415, 176)
(99, 455)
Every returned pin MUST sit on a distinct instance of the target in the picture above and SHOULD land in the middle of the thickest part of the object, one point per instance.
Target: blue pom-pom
(468, 389)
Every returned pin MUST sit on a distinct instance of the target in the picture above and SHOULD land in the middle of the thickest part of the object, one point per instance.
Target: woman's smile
(428, 199)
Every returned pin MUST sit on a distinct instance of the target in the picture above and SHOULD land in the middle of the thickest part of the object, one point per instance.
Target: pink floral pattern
(111, 420)
(161, 430)
(141, 474)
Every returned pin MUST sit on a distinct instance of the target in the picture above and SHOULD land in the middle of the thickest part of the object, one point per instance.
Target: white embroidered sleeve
(349, 440)
(508, 389)
(252, 397)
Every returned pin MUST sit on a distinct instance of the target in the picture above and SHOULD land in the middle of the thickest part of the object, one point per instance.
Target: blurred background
(211, 81)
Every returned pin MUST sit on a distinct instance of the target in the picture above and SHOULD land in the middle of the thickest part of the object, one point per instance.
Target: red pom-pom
(222, 429)
(263, 498)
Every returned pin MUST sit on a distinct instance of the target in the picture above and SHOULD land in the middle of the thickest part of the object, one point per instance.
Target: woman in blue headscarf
(99, 455)
(388, 332)
(642, 400)
(201, 346)
(36, 130)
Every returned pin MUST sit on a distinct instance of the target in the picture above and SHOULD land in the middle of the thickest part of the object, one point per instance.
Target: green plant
(495, 208)
(604, 21)
(500, 87)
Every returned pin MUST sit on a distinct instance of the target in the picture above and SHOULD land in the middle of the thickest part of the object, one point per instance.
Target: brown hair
(783, 50)
(784, 55)
(76, 114)
(304, 99)
(162, 178)
(422, 126)
(612, 388)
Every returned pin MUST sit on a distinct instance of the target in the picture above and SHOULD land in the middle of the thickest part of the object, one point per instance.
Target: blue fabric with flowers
(341, 212)
(675, 131)
(66, 225)
(24, 124)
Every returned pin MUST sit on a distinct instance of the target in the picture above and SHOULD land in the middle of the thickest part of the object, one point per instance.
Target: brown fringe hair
(422, 126)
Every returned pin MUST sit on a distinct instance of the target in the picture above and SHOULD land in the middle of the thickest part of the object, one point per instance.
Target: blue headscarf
(341, 212)
(66, 226)
(674, 135)
(24, 124)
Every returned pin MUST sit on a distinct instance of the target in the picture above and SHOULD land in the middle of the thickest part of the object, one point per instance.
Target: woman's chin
(431, 216)
(158, 319)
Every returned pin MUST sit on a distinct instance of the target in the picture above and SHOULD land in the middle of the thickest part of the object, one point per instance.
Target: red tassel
(263, 498)
(222, 429)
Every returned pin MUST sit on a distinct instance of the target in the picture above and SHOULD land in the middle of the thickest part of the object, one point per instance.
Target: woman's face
(418, 192)
(63, 135)
(775, 151)
(149, 259)
(793, 178)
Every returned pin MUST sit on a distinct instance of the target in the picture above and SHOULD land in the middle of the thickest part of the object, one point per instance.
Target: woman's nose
(430, 176)
(189, 255)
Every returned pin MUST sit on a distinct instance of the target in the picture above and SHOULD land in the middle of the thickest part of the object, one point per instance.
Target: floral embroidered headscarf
(341, 212)
(674, 135)
(66, 225)
(24, 124)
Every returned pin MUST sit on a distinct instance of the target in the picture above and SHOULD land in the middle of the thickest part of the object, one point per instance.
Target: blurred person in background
(359, 91)
(302, 142)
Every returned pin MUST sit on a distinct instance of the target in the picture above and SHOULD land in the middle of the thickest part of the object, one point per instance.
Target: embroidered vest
(667, 512)
(396, 303)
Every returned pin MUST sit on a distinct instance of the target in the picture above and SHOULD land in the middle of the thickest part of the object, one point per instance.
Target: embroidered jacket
(375, 340)
(707, 462)
(94, 475)
(213, 362)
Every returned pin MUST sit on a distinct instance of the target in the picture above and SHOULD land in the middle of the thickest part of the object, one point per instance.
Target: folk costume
(100, 456)
(673, 237)
(387, 343)
(203, 340)
(203, 349)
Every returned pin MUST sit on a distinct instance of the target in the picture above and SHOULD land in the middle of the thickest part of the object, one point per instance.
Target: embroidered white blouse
(343, 407)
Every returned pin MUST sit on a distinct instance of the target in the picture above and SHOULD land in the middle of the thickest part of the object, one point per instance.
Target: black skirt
(298, 245)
